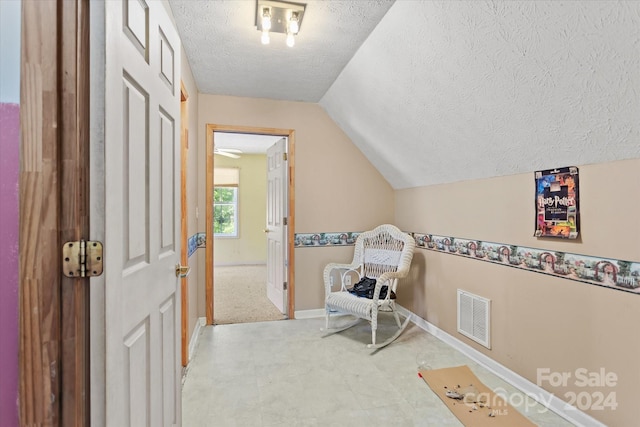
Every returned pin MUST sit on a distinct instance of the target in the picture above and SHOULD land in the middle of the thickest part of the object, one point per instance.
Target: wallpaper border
(620, 275)
(325, 239)
(194, 242)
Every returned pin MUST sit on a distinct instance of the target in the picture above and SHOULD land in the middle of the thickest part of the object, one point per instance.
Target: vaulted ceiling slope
(223, 46)
(456, 90)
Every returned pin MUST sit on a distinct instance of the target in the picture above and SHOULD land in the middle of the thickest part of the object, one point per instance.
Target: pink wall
(9, 165)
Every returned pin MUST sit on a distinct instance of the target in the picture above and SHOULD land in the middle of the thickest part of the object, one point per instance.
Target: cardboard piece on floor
(481, 397)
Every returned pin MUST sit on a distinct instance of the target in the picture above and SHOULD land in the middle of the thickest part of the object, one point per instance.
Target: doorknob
(266, 230)
(182, 271)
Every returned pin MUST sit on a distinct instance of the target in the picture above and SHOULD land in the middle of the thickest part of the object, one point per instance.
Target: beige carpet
(240, 295)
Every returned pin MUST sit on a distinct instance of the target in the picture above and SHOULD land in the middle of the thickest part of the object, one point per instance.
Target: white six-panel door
(276, 229)
(142, 240)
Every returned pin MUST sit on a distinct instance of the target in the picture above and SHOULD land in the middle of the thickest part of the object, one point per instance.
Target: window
(225, 211)
(225, 202)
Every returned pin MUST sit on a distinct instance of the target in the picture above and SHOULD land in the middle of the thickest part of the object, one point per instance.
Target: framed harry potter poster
(556, 203)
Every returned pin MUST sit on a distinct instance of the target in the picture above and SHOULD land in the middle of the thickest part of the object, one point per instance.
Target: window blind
(226, 177)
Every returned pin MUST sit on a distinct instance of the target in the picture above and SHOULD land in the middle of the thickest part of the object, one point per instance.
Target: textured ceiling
(456, 90)
(226, 57)
(441, 91)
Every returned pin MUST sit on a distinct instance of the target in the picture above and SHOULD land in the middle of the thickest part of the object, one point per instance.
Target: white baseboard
(563, 409)
(315, 313)
(239, 264)
(309, 314)
(194, 336)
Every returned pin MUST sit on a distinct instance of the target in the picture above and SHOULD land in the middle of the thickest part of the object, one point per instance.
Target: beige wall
(192, 187)
(538, 321)
(336, 188)
(250, 247)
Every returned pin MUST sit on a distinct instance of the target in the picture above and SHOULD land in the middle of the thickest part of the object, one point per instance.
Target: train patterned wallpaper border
(610, 273)
(194, 242)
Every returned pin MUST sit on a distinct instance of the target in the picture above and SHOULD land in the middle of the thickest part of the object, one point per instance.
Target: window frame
(235, 204)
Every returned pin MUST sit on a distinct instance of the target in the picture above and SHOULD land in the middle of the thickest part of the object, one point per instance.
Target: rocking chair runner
(384, 254)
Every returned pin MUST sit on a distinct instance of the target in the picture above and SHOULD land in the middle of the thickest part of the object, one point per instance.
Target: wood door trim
(208, 264)
(54, 208)
(291, 224)
(184, 230)
(209, 286)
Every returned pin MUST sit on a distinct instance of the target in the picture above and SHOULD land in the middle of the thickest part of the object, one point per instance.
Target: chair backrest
(383, 249)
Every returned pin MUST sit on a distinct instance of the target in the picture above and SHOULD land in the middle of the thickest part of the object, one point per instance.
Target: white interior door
(277, 259)
(142, 216)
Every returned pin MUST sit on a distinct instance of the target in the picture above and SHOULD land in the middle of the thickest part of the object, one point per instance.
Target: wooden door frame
(288, 133)
(54, 208)
(184, 256)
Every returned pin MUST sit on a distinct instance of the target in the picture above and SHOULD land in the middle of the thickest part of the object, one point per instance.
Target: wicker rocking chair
(384, 254)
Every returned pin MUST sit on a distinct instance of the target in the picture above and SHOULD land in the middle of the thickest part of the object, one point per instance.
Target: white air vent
(473, 317)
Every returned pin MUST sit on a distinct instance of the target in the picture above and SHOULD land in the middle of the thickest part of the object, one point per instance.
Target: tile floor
(284, 373)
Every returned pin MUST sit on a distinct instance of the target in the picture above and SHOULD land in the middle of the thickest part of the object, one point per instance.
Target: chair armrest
(389, 277)
(335, 266)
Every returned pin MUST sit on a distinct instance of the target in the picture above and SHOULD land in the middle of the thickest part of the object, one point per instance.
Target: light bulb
(293, 24)
(266, 20)
(265, 37)
(290, 40)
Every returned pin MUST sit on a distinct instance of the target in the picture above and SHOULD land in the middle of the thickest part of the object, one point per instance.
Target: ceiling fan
(228, 152)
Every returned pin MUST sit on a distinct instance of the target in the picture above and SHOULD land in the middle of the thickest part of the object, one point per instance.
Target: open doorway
(239, 254)
(240, 238)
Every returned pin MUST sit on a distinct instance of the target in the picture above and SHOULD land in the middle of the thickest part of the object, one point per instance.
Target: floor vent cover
(473, 317)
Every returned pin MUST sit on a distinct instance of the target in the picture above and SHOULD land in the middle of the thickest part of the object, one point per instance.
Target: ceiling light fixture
(273, 16)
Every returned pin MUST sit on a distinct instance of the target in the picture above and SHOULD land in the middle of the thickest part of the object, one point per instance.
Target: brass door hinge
(82, 258)
(284, 156)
